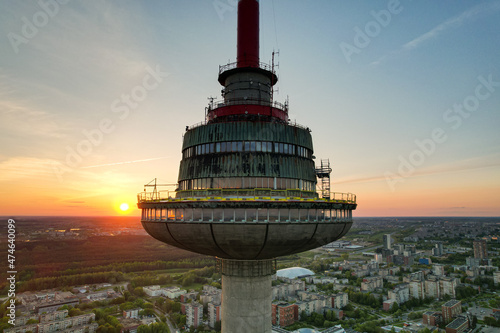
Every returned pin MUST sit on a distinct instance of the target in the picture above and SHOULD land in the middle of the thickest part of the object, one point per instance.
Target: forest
(55, 263)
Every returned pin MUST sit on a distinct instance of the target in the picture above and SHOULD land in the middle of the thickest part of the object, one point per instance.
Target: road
(169, 324)
(171, 327)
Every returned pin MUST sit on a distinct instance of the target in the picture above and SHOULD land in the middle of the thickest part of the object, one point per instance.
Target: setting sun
(124, 207)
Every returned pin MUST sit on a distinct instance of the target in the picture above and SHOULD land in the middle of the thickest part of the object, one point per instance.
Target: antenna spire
(248, 33)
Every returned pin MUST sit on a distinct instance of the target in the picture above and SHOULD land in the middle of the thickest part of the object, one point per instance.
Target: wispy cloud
(19, 118)
(452, 23)
(484, 162)
(17, 168)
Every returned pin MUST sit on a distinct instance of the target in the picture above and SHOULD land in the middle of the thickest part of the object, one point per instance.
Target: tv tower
(246, 190)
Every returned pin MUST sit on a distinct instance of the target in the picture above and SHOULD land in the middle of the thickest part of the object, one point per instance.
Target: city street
(169, 324)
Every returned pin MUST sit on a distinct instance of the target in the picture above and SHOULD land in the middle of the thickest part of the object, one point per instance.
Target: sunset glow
(93, 107)
(124, 207)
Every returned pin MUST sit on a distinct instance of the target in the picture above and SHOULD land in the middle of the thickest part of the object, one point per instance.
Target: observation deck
(265, 223)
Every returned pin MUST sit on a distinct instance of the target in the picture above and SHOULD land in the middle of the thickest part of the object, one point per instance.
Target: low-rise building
(191, 295)
(58, 321)
(459, 325)
(153, 291)
(432, 318)
(53, 316)
(133, 313)
(372, 283)
(388, 304)
(54, 305)
(22, 329)
(173, 292)
(211, 295)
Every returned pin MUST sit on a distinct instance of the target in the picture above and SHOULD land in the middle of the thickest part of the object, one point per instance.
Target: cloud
(20, 118)
(17, 168)
(478, 163)
(452, 23)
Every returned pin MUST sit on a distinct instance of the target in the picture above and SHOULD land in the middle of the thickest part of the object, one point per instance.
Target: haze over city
(402, 96)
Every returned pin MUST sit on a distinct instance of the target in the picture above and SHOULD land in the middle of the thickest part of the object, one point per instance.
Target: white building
(153, 291)
(173, 292)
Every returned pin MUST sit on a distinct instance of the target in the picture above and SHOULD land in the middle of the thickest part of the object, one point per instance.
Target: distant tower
(246, 187)
(387, 242)
(480, 249)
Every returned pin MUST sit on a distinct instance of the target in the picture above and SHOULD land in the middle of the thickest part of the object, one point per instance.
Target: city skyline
(401, 96)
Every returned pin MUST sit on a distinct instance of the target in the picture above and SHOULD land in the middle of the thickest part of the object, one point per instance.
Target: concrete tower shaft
(248, 33)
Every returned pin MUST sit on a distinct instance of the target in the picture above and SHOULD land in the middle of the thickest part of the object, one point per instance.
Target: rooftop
(451, 303)
(459, 321)
(294, 272)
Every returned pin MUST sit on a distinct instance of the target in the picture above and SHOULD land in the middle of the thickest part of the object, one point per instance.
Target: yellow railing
(246, 194)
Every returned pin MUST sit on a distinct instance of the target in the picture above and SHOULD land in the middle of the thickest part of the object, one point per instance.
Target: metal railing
(250, 101)
(289, 123)
(234, 65)
(246, 194)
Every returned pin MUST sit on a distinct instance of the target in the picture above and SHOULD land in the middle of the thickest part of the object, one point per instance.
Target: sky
(402, 96)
